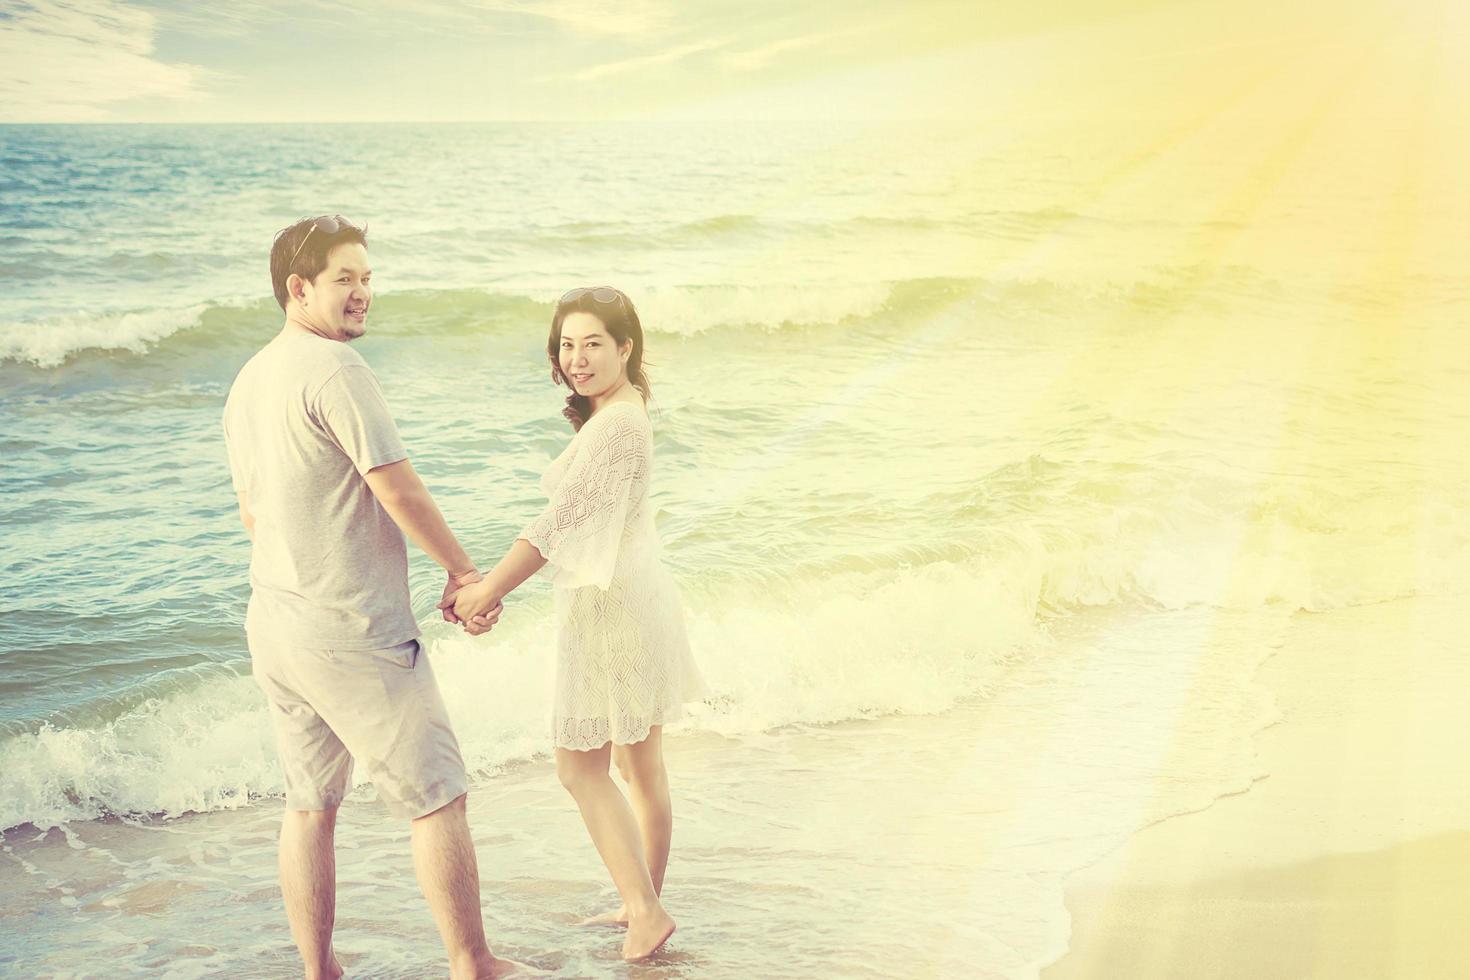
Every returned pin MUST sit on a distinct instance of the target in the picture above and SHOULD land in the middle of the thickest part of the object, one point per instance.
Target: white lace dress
(623, 659)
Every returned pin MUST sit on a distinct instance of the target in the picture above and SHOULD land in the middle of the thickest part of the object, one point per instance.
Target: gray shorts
(379, 707)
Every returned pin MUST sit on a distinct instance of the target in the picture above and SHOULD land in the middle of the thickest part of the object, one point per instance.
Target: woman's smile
(589, 357)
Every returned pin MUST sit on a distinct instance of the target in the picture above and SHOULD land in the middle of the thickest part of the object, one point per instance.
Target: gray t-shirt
(305, 420)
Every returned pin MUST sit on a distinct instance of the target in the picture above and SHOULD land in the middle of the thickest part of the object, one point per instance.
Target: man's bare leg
(308, 863)
(615, 833)
(642, 767)
(444, 858)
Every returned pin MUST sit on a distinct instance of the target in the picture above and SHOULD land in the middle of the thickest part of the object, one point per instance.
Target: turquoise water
(862, 377)
(924, 401)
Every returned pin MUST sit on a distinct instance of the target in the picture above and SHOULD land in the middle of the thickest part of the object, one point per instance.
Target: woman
(623, 667)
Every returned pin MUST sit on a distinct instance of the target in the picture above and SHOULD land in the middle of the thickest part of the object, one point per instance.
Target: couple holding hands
(328, 495)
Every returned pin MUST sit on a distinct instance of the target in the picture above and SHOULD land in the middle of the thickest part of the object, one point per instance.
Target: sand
(1352, 859)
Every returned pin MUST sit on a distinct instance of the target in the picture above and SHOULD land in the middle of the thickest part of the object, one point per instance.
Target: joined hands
(469, 602)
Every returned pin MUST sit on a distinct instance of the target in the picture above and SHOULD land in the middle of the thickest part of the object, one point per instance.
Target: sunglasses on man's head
(327, 224)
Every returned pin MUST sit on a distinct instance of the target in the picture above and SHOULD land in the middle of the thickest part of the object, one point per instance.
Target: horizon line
(560, 120)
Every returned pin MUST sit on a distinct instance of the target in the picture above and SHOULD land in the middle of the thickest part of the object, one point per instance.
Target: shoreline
(1347, 860)
(940, 841)
(946, 841)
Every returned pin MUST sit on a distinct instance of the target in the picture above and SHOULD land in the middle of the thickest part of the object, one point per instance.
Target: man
(327, 494)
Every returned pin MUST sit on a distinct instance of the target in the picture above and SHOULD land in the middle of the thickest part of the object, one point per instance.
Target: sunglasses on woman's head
(327, 224)
(600, 294)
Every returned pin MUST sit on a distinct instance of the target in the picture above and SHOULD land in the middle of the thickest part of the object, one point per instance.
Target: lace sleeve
(581, 528)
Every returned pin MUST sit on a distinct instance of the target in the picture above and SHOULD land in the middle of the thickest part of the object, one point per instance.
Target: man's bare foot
(646, 933)
(618, 918)
(512, 968)
(333, 971)
(491, 967)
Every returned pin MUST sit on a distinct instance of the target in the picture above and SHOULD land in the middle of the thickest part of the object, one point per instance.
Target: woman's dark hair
(621, 321)
(302, 249)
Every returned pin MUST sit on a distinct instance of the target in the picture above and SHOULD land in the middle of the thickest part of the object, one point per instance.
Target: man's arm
(246, 518)
(406, 499)
(351, 408)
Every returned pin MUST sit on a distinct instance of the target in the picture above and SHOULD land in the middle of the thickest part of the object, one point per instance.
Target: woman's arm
(482, 599)
(580, 529)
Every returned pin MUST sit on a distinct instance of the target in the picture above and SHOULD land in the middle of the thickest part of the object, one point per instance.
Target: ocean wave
(1000, 223)
(206, 748)
(913, 631)
(683, 310)
(49, 342)
(594, 234)
(675, 310)
(855, 646)
(996, 222)
(671, 310)
(721, 224)
(1190, 532)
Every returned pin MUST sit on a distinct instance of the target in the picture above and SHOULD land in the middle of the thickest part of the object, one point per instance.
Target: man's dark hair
(311, 257)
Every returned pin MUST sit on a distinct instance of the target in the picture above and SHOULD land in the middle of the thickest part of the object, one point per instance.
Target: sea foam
(49, 342)
(858, 646)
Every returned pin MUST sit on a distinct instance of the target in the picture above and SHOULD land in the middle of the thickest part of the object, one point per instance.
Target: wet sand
(1351, 860)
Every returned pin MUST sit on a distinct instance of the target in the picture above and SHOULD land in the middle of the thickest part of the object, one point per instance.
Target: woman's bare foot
(646, 933)
(618, 918)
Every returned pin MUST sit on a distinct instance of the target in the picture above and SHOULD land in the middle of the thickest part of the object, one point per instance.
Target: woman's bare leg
(615, 833)
(642, 767)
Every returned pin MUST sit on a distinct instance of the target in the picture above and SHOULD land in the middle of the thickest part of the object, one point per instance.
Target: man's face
(337, 300)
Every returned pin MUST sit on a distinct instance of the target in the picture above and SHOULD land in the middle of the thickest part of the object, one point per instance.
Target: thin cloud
(391, 18)
(65, 60)
(618, 17)
(647, 60)
(757, 58)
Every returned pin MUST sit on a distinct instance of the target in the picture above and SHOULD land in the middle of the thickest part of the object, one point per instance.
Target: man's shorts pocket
(405, 655)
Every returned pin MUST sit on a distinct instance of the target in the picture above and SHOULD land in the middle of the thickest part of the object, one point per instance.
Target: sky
(427, 60)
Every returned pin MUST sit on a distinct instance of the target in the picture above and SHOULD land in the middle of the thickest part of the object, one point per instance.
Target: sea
(991, 461)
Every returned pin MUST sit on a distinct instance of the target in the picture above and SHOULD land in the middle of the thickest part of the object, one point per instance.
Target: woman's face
(590, 358)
